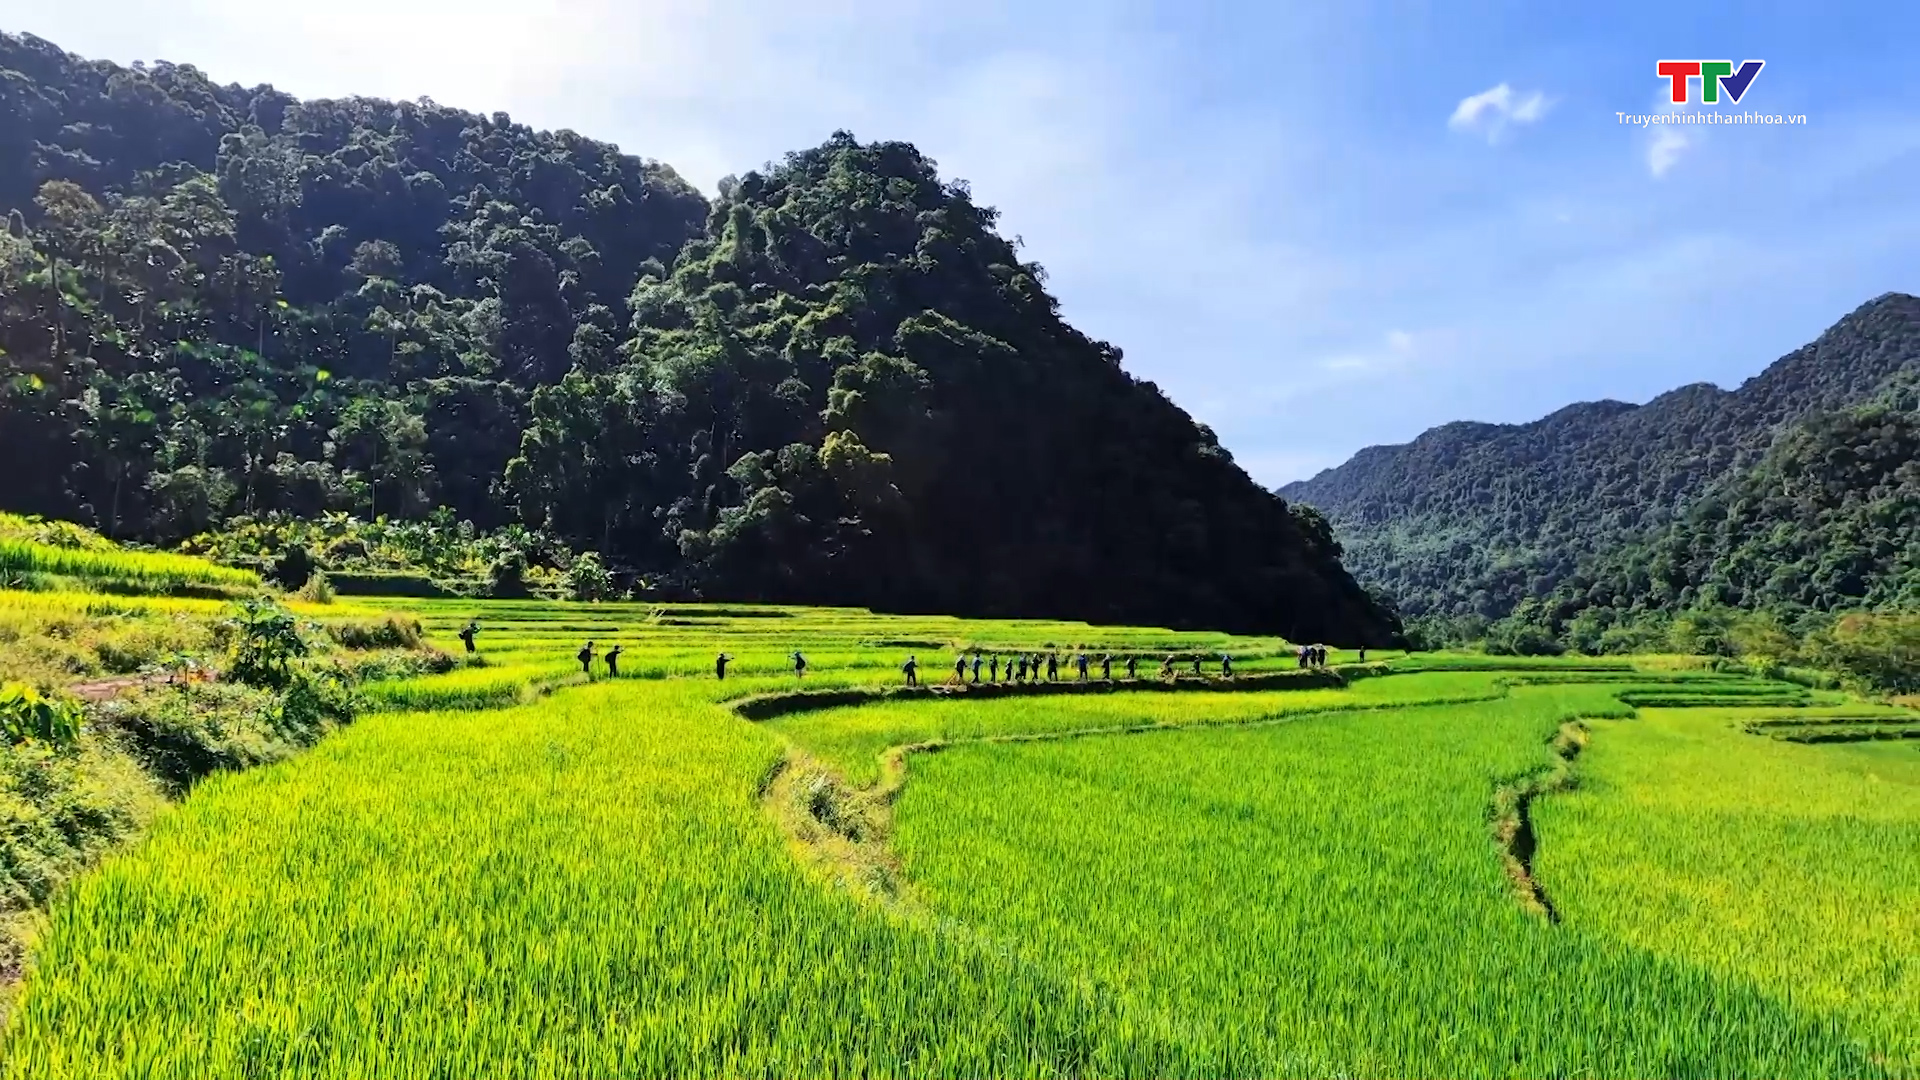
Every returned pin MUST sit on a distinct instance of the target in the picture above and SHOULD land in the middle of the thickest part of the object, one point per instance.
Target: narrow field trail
(119, 685)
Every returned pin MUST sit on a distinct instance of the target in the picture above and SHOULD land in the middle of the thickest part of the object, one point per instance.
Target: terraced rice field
(541, 877)
(150, 570)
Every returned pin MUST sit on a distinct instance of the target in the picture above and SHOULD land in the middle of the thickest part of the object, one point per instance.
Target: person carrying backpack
(799, 665)
(585, 656)
(912, 670)
(467, 635)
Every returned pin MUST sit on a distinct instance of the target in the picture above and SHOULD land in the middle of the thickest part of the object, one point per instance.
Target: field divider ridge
(1510, 816)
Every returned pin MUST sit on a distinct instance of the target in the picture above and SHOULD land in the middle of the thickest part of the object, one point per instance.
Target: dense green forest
(1794, 495)
(835, 383)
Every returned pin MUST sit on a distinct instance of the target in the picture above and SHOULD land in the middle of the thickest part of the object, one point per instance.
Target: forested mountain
(1477, 519)
(837, 383)
(1828, 518)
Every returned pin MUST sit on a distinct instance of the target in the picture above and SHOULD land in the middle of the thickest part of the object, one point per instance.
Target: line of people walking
(1315, 656)
(973, 668)
(611, 658)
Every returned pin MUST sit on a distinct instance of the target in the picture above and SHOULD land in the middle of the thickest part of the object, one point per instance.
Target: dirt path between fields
(98, 690)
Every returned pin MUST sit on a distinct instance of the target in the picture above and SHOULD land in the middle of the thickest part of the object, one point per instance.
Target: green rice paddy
(521, 869)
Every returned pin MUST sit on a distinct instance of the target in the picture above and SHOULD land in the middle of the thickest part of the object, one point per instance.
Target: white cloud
(1398, 348)
(1491, 112)
(1665, 149)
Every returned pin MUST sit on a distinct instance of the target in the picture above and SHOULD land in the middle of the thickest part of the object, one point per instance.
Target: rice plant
(511, 872)
(157, 570)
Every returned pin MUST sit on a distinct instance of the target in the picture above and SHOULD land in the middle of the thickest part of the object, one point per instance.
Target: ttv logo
(1713, 76)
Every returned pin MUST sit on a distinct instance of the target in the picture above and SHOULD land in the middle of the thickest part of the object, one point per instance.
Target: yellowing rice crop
(151, 569)
(1275, 882)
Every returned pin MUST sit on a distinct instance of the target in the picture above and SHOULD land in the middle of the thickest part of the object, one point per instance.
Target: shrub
(317, 590)
(265, 642)
(392, 632)
(295, 567)
(186, 732)
(311, 702)
(367, 667)
(64, 807)
(1874, 652)
(587, 578)
(508, 575)
(1509, 638)
(26, 713)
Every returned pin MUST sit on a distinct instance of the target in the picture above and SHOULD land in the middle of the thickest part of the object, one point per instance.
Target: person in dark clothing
(1106, 666)
(1320, 655)
(799, 665)
(1196, 668)
(1133, 667)
(613, 662)
(1226, 666)
(720, 666)
(466, 635)
(993, 668)
(1303, 657)
(960, 668)
(1022, 676)
(1053, 667)
(1080, 661)
(585, 656)
(976, 669)
(912, 670)
(1363, 654)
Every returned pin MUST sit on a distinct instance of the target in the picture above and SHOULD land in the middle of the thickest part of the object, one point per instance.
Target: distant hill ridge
(1474, 518)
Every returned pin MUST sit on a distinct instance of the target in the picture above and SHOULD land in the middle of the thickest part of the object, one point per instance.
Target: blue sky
(1298, 223)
